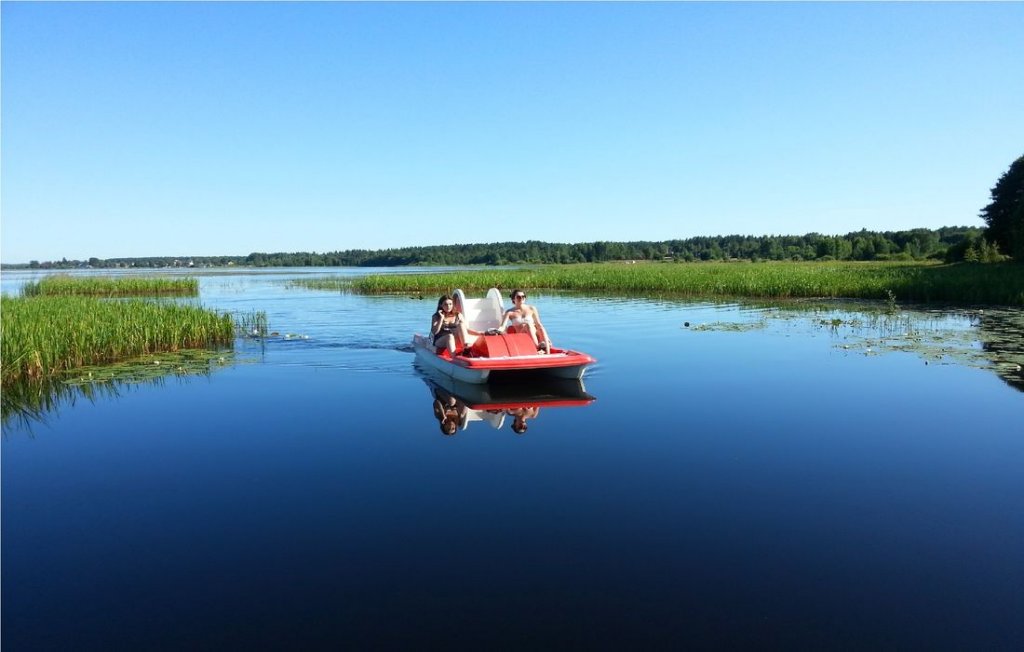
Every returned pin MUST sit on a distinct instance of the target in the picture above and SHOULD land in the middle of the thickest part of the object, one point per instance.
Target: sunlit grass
(109, 286)
(43, 337)
(913, 282)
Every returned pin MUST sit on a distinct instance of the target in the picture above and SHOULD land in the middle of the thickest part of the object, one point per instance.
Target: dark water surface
(758, 479)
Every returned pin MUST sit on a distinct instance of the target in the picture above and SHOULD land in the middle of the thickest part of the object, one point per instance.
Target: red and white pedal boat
(493, 355)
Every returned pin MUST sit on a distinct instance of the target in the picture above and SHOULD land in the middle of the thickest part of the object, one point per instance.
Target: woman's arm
(504, 321)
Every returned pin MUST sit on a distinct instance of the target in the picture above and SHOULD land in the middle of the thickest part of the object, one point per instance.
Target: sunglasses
(519, 296)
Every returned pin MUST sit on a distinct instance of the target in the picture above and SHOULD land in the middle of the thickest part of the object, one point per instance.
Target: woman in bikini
(523, 318)
(448, 326)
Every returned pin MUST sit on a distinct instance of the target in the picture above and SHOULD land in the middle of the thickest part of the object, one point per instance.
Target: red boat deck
(512, 352)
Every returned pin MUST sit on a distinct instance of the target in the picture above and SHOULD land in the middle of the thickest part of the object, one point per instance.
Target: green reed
(886, 281)
(45, 336)
(110, 286)
(252, 324)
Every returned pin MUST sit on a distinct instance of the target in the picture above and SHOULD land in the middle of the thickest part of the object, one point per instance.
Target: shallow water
(760, 477)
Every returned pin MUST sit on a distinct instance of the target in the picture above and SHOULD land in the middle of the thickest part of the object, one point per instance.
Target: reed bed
(1001, 284)
(253, 324)
(109, 286)
(45, 336)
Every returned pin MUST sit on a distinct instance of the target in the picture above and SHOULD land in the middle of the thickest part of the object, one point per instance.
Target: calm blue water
(744, 482)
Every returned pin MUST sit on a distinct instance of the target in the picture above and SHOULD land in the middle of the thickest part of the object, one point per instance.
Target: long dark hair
(440, 302)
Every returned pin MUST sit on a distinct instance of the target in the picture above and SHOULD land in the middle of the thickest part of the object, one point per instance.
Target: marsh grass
(44, 337)
(252, 324)
(109, 286)
(906, 282)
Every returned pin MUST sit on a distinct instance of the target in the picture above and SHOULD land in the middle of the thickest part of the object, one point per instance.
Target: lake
(830, 476)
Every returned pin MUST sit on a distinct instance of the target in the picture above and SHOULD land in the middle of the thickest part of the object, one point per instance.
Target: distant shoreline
(946, 243)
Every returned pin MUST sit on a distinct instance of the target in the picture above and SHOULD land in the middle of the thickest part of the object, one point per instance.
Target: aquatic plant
(109, 286)
(993, 338)
(252, 324)
(885, 281)
(45, 336)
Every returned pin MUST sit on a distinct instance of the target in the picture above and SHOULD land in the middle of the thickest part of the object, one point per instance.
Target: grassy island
(46, 336)
(996, 283)
(108, 286)
(63, 323)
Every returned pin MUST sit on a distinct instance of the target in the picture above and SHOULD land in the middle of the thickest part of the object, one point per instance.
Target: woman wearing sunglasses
(524, 318)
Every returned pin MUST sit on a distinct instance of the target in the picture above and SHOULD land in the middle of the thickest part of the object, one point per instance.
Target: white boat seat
(480, 314)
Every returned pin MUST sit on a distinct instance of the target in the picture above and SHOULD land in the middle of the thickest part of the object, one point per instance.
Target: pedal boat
(491, 356)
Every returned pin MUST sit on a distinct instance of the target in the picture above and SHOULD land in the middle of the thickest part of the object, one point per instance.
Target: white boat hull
(426, 355)
(569, 365)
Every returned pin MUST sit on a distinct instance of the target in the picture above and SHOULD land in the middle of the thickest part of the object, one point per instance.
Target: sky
(200, 129)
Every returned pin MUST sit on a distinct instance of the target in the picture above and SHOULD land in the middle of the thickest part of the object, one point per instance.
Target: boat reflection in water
(458, 404)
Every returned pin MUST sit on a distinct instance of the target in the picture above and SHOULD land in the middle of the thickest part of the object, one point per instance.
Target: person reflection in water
(449, 412)
(519, 417)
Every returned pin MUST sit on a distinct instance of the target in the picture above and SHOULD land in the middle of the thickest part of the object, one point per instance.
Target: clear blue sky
(201, 129)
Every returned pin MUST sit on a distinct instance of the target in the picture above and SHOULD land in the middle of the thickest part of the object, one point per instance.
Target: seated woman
(523, 318)
(448, 326)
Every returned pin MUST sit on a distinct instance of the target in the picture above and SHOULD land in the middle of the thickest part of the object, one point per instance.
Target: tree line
(1003, 238)
(947, 243)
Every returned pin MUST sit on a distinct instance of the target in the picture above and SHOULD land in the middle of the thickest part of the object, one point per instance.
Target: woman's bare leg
(463, 336)
(543, 341)
(532, 330)
(446, 341)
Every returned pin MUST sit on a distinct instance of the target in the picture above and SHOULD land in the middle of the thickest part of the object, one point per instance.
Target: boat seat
(480, 314)
(504, 345)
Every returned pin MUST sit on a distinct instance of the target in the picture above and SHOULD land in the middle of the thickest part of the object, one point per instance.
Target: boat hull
(560, 363)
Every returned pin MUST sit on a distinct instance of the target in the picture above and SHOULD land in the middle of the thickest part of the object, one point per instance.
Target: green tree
(1005, 215)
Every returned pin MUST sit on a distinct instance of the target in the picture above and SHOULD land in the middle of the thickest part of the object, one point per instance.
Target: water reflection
(986, 338)
(25, 404)
(1002, 339)
(991, 339)
(450, 412)
(456, 405)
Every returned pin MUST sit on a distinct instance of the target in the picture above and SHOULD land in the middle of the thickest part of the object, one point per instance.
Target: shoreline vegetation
(949, 244)
(994, 284)
(48, 336)
(57, 327)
